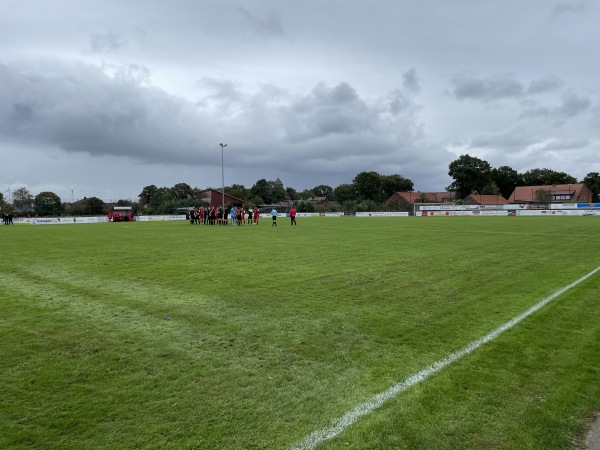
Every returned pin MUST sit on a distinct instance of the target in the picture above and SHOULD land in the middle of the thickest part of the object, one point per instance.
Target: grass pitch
(274, 332)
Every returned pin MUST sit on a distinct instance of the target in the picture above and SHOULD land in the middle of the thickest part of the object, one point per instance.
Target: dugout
(121, 214)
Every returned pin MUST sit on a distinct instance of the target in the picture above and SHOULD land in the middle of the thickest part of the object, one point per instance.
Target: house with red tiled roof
(214, 197)
(407, 199)
(476, 199)
(558, 193)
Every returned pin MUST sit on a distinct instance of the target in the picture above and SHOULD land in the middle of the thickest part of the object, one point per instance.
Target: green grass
(276, 332)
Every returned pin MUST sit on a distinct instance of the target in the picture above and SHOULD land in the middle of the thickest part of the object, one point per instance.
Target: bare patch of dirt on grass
(592, 439)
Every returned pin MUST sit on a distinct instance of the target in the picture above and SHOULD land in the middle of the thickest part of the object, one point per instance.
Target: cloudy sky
(102, 98)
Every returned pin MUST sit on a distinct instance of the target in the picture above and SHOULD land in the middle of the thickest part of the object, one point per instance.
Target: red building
(558, 193)
(476, 199)
(407, 199)
(215, 198)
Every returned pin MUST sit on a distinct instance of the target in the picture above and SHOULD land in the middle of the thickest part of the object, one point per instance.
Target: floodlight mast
(222, 182)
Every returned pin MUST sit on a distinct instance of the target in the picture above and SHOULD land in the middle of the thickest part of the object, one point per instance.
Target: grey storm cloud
(486, 89)
(326, 111)
(270, 26)
(107, 42)
(546, 84)
(339, 110)
(567, 144)
(512, 139)
(571, 105)
(516, 139)
(497, 87)
(78, 108)
(411, 81)
(220, 90)
(133, 74)
(576, 6)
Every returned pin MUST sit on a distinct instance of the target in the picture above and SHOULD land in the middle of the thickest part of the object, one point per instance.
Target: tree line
(471, 174)
(367, 192)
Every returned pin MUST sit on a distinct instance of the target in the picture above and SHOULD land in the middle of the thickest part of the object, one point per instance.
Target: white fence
(425, 212)
(63, 220)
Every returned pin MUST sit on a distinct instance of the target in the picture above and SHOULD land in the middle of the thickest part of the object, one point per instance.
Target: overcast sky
(102, 98)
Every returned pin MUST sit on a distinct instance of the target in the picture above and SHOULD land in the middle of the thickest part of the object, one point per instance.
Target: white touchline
(341, 423)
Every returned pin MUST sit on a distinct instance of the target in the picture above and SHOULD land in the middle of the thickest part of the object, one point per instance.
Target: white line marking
(339, 424)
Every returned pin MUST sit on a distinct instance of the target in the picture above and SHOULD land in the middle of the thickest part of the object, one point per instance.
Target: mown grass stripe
(343, 422)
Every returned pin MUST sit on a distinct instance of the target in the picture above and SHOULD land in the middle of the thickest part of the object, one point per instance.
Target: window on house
(561, 197)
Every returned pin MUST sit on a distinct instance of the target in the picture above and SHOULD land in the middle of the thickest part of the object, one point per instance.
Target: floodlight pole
(222, 181)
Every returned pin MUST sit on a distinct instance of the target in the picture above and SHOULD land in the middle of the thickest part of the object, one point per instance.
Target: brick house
(476, 199)
(560, 193)
(215, 198)
(405, 200)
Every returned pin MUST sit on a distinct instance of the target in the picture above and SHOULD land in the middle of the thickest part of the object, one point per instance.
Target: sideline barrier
(557, 212)
(64, 220)
(99, 219)
(159, 218)
(525, 212)
(513, 209)
(575, 206)
(382, 214)
(287, 214)
(575, 212)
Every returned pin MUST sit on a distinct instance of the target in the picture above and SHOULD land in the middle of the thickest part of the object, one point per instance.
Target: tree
(77, 209)
(366, 205)
(162, 195)
(334, 206)
(323, 191)
(400, 204)
(182, 191)
(562, 178)
(22, 199)
(470, 174)
(255, 201)
(47, 204)
(391, 184)
(344, 193)
(592, 181)
(306, 194)
(169, 205)
(305, 207)
(269, 191)
(147, 194)
(6, 207)
(278, 192)
(350, 206)
(368, 185)
(261, 190)
(237, 190)
(543, 196)
(507, 179)
(95, 207)
(292, 194)
(490, 189)
(547, 177)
